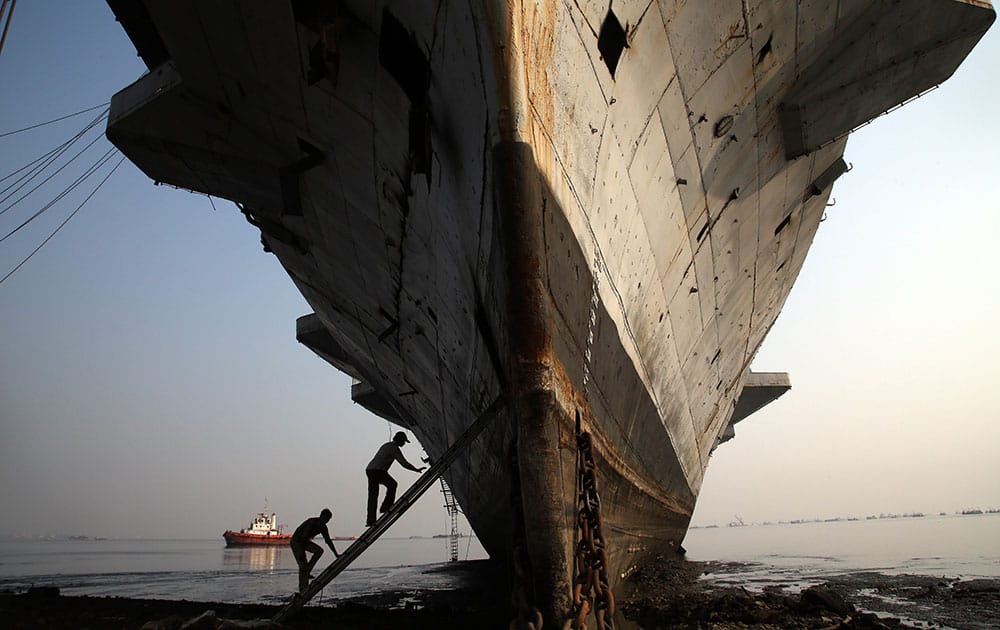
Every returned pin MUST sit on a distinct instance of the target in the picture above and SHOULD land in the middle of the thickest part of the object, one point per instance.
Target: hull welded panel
(479, 197)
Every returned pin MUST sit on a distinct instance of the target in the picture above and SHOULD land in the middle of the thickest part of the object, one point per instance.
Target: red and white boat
(263, 530)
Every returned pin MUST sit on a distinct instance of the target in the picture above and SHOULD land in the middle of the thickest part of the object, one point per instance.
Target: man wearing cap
(378, 473)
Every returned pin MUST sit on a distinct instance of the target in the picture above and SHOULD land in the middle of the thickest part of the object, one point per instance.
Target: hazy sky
(151, 384)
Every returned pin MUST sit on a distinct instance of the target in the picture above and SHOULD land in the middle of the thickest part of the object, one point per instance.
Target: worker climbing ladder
(399, 508)
(452, 506)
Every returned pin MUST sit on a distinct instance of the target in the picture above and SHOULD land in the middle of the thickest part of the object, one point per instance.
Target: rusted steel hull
(597, 212)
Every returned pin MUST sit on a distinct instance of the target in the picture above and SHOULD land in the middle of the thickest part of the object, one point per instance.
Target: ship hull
(486, 199)
(243, 539)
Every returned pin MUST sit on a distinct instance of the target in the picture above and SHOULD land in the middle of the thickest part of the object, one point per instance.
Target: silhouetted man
(302, 542)
(378, 473)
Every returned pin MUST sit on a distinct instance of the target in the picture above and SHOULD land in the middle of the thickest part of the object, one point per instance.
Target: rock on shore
(667, 593)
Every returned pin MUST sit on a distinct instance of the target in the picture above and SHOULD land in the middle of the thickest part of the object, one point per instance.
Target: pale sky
(151, 384)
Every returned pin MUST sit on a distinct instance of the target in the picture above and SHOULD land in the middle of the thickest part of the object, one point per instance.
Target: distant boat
(263, 531)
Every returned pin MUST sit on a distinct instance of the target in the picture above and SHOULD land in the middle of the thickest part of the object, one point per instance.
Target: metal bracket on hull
(759, 389)
(879, 58)
(313, 334)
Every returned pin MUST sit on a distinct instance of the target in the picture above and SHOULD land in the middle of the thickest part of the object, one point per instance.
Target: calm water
(952, 546)
(204, 570)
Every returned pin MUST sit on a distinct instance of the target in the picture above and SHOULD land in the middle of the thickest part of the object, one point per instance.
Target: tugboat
(264, 530)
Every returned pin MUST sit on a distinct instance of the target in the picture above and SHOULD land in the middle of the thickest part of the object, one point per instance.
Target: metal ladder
(452, 506)
(399, 508)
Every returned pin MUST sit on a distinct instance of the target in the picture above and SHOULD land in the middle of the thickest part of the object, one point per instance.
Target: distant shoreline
(839, 519)
(799, 521)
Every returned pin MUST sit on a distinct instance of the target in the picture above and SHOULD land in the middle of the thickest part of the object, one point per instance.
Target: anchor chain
(591, 588)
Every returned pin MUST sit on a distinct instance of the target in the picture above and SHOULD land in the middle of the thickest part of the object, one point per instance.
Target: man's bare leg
(306, 570)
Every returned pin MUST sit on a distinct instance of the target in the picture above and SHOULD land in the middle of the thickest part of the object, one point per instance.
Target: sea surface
(206, 570)
(789, 555)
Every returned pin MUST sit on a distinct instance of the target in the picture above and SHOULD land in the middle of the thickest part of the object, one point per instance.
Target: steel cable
(65, 221)
(29, 164)
(54, 120)
(22, 181)
(49, 178)
(79, 180)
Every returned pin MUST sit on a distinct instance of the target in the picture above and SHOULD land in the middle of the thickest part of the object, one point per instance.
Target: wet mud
(660, 594)
(670, 594)
(58, 611)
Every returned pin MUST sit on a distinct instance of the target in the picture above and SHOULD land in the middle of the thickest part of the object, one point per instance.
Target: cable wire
(65, 221)
(54, 120)
(22, 181)
(79, 180)
(61, 147)
(47, 179)
(6, 20)
(35, 161)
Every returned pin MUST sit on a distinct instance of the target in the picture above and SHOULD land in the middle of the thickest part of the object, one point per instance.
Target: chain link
(591, 588)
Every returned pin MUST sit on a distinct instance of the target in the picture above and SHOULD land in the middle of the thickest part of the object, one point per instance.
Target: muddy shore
(661, 594)
(691, 595)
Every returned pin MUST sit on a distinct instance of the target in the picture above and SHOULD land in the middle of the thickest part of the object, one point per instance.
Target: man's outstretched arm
(329, 542)
(405, 464)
